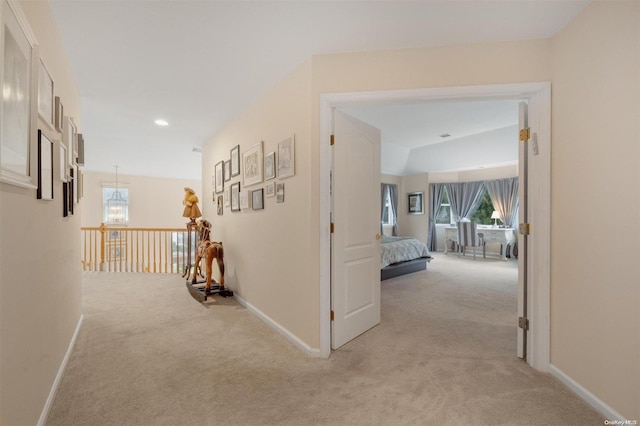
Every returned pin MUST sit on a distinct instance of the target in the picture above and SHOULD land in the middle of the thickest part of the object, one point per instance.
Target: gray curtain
(383, 197)
(392, 190)
(504, 196)
(464, 198)
(435, 199)
(393, 194)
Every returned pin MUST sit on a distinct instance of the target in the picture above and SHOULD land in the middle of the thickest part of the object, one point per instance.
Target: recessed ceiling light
(161, 122)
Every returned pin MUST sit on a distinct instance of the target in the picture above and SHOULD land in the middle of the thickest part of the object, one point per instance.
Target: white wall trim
(537, 91)
(56, 383)
(595, 402)
(279, 328)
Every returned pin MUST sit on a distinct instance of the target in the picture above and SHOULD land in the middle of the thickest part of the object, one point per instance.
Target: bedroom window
(387, 214)
(444, 213)
(485, 208)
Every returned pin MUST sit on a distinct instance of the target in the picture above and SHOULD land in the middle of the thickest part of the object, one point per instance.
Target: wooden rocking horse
(208, 250)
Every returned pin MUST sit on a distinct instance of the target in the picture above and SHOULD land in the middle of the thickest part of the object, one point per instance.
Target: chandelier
(117, 206)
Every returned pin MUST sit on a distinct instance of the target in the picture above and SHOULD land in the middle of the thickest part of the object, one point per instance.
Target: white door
(523, 160)
(355, 249)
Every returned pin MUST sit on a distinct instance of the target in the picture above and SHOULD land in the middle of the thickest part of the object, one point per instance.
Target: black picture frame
(235, 160)
(257, 199)
(415, 202)
(227, 171)
(235, 197)
(219, 176)
(45, 167)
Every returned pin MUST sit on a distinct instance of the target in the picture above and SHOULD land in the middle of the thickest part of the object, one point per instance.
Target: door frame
(538, 96)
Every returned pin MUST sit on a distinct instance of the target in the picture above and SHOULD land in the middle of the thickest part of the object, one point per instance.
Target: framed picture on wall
(219, 177)
(46, 108)
(252, 163)
(270, 166)
(20, 74)
(227, 170)
(286, 157)
(235, 197)
(235, 161)
(415, 202)
(257, 199)
(45, 167)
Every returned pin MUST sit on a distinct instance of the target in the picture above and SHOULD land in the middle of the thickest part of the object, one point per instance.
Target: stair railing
(123, 249)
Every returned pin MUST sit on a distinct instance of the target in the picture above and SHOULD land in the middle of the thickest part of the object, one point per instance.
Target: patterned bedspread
(400, 249)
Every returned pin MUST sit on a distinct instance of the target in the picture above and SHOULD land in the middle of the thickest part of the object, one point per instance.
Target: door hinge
(332, 315)
(332, 227)
(525, 134)
(332, 140)
(525, 229)
(523, 323)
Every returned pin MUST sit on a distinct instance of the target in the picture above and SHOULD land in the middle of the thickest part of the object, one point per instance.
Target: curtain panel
(504, 196)
(435, 199)
(392, 190)
(464, 198)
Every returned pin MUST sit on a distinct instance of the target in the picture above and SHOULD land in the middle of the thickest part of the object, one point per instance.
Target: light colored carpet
(444, 354)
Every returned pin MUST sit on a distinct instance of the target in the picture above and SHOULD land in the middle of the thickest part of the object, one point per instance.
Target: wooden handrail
(124, 249)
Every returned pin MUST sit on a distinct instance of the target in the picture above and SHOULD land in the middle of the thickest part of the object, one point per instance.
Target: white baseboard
(56, 382)
(600, 406)
(313, 352)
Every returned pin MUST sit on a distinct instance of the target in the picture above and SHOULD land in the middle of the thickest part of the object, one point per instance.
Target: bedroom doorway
(538, 97)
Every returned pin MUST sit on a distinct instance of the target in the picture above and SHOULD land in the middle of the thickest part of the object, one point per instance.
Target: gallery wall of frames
(40, 146)
(248, 177)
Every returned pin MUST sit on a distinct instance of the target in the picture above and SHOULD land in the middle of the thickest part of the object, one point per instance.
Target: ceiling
(198, 64)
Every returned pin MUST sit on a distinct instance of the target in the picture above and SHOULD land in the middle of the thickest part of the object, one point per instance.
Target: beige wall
(40, 277)
(269, 254)
(153, 202)
(595, 296)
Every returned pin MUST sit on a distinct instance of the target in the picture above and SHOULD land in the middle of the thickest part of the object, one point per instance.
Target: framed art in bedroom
(415, 202)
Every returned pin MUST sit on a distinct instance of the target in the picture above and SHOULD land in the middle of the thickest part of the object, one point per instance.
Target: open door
(523, 158)
(355, 247)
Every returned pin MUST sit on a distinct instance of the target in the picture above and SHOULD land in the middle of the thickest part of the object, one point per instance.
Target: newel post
(103, 228)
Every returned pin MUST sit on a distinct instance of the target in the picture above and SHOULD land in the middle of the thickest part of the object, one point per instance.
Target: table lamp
(495, 216)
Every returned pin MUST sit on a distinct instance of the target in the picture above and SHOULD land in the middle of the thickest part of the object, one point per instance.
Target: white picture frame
(62, 161)
(46, 102)
(270, 190)
(245, 197)
(227, 196)
(69, 137)
(287, 157)
(18, 114)
(252, 165)
(59, 115)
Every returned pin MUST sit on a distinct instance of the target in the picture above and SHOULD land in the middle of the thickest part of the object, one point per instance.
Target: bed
(402, 255)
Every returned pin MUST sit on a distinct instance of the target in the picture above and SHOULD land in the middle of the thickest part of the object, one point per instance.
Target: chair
(468, 236)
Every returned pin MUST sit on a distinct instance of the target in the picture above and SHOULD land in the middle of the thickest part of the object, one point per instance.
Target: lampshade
(495, 215)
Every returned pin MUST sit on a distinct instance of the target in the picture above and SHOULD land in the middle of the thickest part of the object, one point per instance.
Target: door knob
(378, 237)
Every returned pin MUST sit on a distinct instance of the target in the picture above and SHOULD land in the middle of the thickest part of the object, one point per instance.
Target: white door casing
(355, 273)
(523, 158)
(538, 95)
